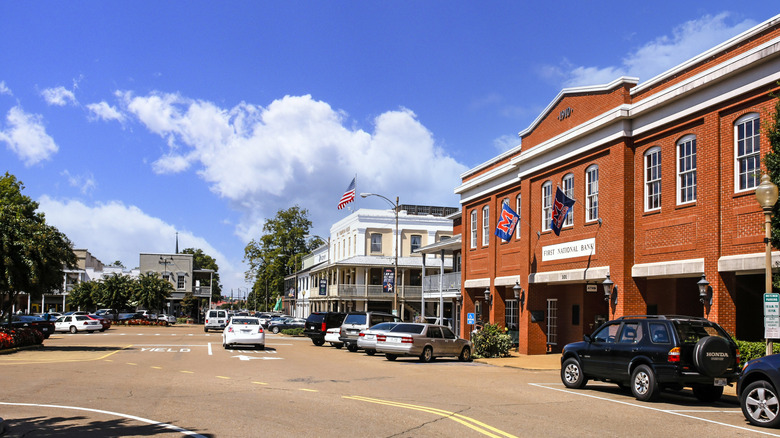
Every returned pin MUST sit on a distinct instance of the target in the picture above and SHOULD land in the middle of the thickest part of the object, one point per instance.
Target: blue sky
(131, 121)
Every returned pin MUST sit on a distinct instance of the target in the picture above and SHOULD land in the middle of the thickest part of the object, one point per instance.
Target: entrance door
(552, 321)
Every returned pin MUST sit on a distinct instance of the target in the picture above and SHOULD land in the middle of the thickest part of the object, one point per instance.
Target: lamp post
(397, 248)
(766, 195)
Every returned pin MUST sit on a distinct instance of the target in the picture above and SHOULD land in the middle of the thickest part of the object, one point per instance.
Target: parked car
(275, 326)
(332, 336)
(426, 341)
(76, 323)
(651, 352)
(757, 389)
(243, 330)
(318, 323)
(367, 338)
(354, 322)
(215, 319)
(147, 314)
(170, 319)
(104, 323)
(35, 322)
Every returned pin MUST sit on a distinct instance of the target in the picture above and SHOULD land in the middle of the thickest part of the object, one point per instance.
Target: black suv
(318, 323)
(653, 352)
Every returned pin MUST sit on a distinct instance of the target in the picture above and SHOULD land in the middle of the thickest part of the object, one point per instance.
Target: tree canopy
(201, 260)
(33, 255)
(772, 163)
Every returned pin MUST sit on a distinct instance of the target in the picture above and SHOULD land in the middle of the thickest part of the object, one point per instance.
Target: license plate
(246, 331)
(394, 340)
(721, 381)
(353, 332)
(369, 337)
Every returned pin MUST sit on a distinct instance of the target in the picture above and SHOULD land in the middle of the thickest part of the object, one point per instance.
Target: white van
(215, 319)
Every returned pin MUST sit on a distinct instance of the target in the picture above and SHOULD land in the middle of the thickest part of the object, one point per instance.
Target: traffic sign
(470, 318)
(772, 316)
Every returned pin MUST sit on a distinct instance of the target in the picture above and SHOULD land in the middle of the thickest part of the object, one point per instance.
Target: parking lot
(139, 381)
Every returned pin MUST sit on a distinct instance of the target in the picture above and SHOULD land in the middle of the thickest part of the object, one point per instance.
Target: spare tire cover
(713, 355)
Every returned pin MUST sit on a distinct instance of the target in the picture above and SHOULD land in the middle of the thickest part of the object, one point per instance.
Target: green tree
(85, 295)
(151, 291)
(189, 305)
(277, 252)
(116, 291)
(772, 163)
(201, 260)
(33, 255)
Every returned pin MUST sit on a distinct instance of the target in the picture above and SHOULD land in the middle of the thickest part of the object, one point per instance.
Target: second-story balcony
(450, 281)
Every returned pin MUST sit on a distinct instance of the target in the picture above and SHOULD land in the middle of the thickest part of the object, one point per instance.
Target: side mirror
(587, 338)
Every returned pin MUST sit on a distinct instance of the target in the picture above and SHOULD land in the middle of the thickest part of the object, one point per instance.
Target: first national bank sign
(569, 250)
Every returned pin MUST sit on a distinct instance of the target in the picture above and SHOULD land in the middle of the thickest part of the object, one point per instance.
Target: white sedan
(77, 323)
(170, 319)
(243, 330)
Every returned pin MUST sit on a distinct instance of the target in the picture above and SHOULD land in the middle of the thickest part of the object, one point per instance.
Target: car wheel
(465, 354)
(572, 375)
(427, 355)
(352, 348)
(261, 347)
(205, 330)
(275, 330)
(390, 357)
(644, 385)
(318, 342)
(707, 393)
(102, 330)
(760, 404)
(73, 329)
(370, 352)
(337, 345)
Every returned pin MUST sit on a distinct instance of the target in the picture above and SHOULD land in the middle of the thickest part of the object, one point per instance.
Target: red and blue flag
(560, 207)
(507, 222)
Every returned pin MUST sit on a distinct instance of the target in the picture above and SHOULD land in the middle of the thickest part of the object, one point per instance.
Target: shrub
(19, 337)
(492, 341)
(753, 350)
(293, 332)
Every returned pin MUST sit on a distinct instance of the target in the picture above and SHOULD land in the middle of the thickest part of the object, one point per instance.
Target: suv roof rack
(694, 318)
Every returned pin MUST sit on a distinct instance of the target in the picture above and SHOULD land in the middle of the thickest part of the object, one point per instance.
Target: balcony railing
(449, 282)
(202, 291)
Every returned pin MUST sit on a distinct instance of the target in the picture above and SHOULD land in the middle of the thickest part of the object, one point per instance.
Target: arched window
(568, 190)
(747, 152)
(592, 193)
(518, 204)
(686, 169)
(473, 229)
(485, 225)
(653, 179)
(546, 205)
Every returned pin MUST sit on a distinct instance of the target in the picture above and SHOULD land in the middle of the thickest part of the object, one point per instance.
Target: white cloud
(58, 96)
(506, 142)
(85, 183)
(4, 89)
(113, 231)
(104, 111)
(26, 137)
(686, 41)
(297, 150)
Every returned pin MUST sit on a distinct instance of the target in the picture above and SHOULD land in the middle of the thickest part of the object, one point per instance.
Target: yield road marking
(466, 421)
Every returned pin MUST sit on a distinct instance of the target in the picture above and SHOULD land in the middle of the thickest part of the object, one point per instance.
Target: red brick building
(663, 174)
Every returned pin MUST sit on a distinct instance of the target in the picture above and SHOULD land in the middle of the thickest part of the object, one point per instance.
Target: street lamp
(766, 195)
(397, 247)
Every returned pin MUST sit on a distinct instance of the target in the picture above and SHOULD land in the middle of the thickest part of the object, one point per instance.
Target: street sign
(772, 316)
(470, 318)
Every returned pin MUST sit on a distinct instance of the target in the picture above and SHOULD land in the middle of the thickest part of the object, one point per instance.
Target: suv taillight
(361, 335)
(324, 327)
(674, 355)
(739, 357)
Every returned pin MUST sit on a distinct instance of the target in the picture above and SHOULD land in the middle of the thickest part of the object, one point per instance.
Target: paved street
(174, 381)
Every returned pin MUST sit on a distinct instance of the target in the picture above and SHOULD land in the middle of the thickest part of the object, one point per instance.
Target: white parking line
(210, 352)
(665, 411)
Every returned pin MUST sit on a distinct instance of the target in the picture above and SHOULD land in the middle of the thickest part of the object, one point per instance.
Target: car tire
(713, 356)
(275, 330)
(644, 385)
(760, 405)
(261, 346)
(318, 342)
(707, 393)
(73, 329)
(102, 330)
(370, 352)
(465, 354)
(391, 357)
(205, 330)
(572, 375)
(426, 355)
(352, 348)
(337, 345)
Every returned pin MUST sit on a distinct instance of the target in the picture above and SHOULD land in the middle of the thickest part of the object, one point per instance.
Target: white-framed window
(473, 229)
(568, 190)
(747, 151)
(180, 282)
(546, 205)
(653, 179)
(376, 242)
(485, 225)
(686, 169)
(552, 321)
(592, 193)
(518, 204)
(416, 242)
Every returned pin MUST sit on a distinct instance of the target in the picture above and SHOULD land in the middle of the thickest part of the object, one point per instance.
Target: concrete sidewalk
(526, 361)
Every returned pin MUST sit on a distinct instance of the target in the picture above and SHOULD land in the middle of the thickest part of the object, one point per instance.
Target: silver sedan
(426, 341)
(367, 338)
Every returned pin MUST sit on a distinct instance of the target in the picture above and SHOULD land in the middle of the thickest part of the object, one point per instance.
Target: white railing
(450, 281)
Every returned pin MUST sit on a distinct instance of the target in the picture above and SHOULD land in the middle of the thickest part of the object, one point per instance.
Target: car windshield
(384, 326)
(408, 328)
(356, 318)
(245, 321)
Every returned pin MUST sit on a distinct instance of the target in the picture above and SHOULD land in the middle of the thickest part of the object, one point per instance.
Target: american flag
(348, 196)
